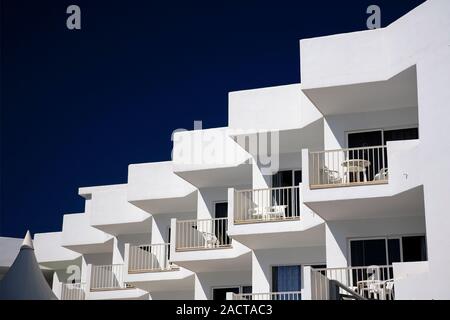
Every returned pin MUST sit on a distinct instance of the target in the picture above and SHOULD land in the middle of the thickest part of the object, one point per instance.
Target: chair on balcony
(211, 240)
(388, 288)
(331, 176)
(269, 213)
(382, 175)
(373, 285)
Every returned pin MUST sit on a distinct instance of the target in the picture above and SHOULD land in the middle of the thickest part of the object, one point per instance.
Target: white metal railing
(373, 282)
(150, 257)
(270, 204)
(108, 277)
(202, 234)
(73, 291)
(287, 295)
(367, 165)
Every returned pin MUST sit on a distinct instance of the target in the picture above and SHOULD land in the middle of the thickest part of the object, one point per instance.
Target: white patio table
(355, 166)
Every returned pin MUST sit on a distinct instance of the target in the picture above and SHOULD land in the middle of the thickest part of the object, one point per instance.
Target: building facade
(332, 188)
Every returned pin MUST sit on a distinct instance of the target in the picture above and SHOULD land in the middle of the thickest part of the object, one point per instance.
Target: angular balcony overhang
(279, 141)
(51, 254)
(372, 56)
(397, 92)
(176, 280)
(404, 204)
(119, 294)
(232, 259)
(110, 211)
(210, 158)
(79, 236)
(285, 234)
(155, 188)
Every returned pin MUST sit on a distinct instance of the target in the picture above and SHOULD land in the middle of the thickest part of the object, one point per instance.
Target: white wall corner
(126, 254)
(230, 209)
(306, 290)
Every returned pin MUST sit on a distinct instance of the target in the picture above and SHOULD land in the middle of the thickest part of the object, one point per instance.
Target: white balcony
(149, 268)
(364, 183)
(202, 234)
(277, 296)
(110, 211)
(155, 188)
(203, 245)
(266, 205)
(348, 167)
(373, 282)
(108, 282)
(150, 258)
(273, 218)
(107, 277)
(73, 291)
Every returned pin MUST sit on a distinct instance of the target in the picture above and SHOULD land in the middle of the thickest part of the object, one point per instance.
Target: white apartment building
(332, 188)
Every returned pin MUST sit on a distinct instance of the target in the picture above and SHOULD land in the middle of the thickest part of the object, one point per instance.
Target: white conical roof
(27, 241)
(24, 279)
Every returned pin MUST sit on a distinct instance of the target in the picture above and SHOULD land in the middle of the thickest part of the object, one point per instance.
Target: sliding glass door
(375, 138)
(288, 196)
(286, 279)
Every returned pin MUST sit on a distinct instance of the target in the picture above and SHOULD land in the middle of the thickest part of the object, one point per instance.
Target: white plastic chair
(388, 288)
(381, 175)
(211, 240)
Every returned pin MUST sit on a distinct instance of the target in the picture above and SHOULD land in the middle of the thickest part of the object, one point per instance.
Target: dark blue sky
(78, 106)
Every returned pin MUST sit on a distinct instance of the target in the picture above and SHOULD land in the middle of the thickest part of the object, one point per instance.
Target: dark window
(288, 197)
(221, 209)
(394, 251)
(297, 177)
(220, 294)
(368, 252)
(364, 139)
(286, 278)
(221, 226)
(414, 248)
(401, 134)
(247, 289)
(282, 179)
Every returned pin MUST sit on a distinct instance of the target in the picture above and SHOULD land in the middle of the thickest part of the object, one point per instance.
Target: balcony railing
(150, 258)
(263, 205)
(73, 291)
(202, 234)
(288, 295)
(108, 277)
(346, 167)
(373, 282)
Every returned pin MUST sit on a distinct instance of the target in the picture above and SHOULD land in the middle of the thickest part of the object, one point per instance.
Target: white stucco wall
(206, 281)
(264, 260)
